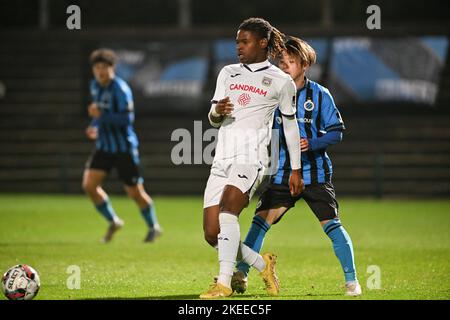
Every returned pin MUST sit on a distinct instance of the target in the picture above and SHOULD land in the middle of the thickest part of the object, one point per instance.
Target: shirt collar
(256, 66)
(304, 85)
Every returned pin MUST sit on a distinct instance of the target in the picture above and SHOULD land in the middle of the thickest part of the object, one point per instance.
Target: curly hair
(265, 30)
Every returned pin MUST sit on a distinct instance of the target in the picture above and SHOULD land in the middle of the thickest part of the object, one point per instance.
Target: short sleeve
(124, 97)
(331, 117)
(93, 90)
(288, 97)
(219, 93)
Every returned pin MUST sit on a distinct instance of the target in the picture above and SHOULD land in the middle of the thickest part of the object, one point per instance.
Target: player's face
(250, 49)
(103, 73)
(292, 66)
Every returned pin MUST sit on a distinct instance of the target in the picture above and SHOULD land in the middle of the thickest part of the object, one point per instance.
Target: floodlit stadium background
(391, 172)
(391, 85)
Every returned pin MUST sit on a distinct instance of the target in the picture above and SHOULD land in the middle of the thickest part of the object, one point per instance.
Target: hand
(224, 107)
(92, 132)
(94, 111)
(304, 145)
(296, 184)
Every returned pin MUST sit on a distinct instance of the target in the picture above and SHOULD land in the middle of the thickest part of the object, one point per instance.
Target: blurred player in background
(246, 97)
(116, 145)
(321, 126)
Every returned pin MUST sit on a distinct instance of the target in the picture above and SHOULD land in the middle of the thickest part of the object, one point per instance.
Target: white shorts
(246, 177)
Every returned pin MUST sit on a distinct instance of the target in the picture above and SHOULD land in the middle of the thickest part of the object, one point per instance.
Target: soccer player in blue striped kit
(320, 126)
(116, 145)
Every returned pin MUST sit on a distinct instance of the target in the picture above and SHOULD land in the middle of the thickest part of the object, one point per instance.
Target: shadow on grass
(235, 297)
(173, 297)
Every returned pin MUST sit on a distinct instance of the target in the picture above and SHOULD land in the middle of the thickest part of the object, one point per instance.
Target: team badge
(308, 105)
(266, 81)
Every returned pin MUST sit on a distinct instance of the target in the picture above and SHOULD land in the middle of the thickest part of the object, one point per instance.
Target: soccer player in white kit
(246, 97)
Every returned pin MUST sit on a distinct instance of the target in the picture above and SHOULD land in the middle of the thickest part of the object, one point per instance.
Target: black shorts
(320, 198)
(127, 165)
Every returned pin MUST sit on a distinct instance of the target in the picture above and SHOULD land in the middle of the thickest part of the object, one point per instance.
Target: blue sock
(343, 247)
(106, 209)
(254, 239)
(149, 215)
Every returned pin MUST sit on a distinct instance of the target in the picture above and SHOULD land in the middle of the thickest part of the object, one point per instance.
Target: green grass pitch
(409, 240)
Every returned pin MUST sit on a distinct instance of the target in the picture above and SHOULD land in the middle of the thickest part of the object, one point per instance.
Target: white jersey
(255, 90)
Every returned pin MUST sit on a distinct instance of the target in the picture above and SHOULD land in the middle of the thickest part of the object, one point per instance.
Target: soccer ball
(20, 282)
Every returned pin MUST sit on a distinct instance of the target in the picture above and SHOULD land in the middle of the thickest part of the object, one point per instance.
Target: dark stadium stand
(43, 146)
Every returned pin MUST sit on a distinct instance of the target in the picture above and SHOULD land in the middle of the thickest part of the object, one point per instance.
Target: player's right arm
(221, 106)
(93, 112)
(92, 129)
(292, 135)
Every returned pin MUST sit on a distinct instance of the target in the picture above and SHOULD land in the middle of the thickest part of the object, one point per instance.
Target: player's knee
(210, 233)
(88, 186)
(139, 196)
(133, 193)
(211, 238)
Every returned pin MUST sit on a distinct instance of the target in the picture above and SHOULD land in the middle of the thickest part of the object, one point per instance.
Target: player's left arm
(333, 126)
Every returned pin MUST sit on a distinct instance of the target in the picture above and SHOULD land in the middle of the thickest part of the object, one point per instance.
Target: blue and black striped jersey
(316, 115)
(115, 125)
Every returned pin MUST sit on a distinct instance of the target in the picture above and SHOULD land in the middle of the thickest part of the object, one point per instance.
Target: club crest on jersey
(244, 99)
(266, 81)
(308, 105)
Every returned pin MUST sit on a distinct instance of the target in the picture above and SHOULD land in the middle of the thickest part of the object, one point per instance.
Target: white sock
(228, 241)
(252, 258)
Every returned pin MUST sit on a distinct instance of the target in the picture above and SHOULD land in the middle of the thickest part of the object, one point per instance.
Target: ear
(263, 43)
(304, 66)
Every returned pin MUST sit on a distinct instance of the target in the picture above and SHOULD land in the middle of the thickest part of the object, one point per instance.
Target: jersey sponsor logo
(308, 105)
(105, 101)
(305, 120)
(266, 81)
(246, 87)
(244, 99)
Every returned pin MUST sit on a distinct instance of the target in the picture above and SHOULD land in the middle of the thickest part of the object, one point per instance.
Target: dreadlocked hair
(265, 30)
